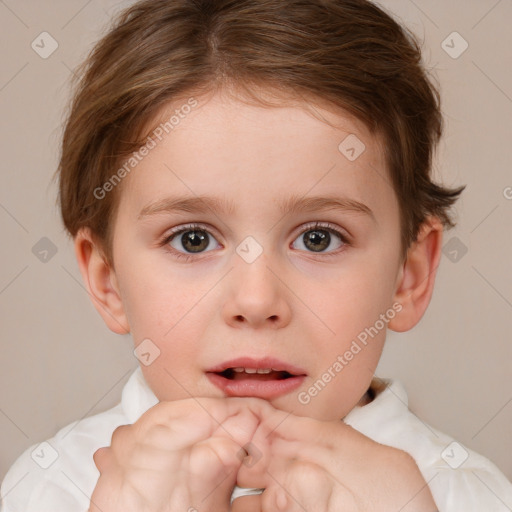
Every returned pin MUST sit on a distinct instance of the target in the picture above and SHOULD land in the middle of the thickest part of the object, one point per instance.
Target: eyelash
(308, 227)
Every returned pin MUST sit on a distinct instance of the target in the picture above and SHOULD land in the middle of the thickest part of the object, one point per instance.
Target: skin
(292, 303)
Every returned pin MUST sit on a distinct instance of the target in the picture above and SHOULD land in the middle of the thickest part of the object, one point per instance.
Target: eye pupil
(319, 239)
(193, 240)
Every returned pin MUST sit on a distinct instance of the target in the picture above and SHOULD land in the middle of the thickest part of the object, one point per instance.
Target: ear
(415, 282)
(100, 281)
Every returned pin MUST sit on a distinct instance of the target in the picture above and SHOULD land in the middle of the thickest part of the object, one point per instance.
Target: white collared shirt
(59, 475)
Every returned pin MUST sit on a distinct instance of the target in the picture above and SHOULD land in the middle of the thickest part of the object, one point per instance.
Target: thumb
(247, 504)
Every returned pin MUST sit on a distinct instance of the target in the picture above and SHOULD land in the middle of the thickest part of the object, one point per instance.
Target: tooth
(238, 370)
(264, 370)
(250, 370)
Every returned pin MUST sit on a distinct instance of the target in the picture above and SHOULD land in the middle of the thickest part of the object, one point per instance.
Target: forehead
(255, 155)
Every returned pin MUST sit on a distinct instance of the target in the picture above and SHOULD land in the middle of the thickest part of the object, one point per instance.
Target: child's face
(301, 306)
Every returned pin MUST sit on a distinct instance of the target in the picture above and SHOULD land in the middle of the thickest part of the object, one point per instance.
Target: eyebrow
(293, 204)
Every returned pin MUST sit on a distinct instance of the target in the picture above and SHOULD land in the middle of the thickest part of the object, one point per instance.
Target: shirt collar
(137, 396)
(389, 404)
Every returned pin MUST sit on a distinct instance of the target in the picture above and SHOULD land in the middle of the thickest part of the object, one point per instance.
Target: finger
(315, 440)
(300, 486)
(121, 438)
(247, 504)
(260, 454)
(240, 426)
(277, 451)
(273, 445)
(336, 443)
(103, 459)
(192, 420)
(217, 408)
(213, 456)
(296, 428)
(213, 469)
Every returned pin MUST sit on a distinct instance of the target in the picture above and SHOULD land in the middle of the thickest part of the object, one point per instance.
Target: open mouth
(262, 374)
(265, 378)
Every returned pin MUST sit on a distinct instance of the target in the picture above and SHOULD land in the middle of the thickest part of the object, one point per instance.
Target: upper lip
(265, 362)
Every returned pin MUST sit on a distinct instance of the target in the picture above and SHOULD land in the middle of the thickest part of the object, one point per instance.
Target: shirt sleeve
(459, 479)
(30, 488)
(59, 475)
(475, 486)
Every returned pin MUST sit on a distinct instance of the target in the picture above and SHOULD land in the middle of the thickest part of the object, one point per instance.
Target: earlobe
(415, 283)
(100, 281)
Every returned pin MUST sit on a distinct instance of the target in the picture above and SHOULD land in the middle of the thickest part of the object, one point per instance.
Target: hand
(179, 456)
(314, 465)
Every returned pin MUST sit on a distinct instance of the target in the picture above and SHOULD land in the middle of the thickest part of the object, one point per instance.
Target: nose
(257, 295)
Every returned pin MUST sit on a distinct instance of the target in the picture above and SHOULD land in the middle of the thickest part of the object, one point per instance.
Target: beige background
(59, 362)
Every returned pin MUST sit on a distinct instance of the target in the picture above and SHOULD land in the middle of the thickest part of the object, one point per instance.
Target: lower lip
(267, 390)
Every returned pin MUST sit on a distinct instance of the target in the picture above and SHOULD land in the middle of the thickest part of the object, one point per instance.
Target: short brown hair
(349, 54)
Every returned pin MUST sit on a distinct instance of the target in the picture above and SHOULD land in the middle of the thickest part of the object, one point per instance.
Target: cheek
(172, 311)
(356, 306)
(158, 294)
(159, 312)
(353, 299)
(343, 377)
(154, 302)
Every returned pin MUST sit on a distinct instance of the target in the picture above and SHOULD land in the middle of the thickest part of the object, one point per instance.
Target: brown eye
(321, 238)
(317, 240)
(191, 240)
(194, 241)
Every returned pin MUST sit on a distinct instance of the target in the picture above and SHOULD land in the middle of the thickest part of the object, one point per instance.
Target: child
(247, 183)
